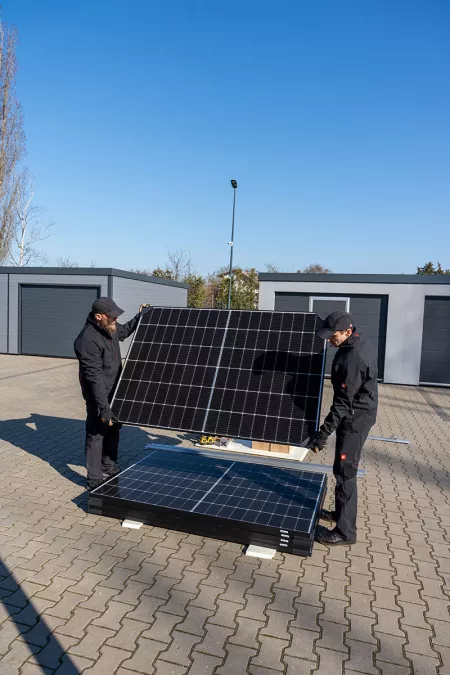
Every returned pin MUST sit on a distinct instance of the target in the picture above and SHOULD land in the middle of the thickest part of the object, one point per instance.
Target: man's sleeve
(342, 405)
(92, 367)
(125, 330)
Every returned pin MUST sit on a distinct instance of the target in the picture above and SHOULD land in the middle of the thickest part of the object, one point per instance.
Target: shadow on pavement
(59, 441)
(42, 643)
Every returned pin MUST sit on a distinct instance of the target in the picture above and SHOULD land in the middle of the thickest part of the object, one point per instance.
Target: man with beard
(98, 352)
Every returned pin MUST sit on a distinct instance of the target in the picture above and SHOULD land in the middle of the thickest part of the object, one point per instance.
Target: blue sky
(332, 116)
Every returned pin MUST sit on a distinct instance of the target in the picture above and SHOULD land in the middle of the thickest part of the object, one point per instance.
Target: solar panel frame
(208, 404)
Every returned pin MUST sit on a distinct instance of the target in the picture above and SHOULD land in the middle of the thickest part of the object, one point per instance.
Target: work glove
(111, 421)
(316, 443)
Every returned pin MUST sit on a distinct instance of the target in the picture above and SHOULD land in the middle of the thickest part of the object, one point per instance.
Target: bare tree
(12, 138)
(271, 267)
(180, 264)
(316, 268)
(66, 262)
(28, 229)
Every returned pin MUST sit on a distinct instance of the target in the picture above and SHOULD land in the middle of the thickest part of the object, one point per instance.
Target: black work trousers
(102, 443)
(350, 439)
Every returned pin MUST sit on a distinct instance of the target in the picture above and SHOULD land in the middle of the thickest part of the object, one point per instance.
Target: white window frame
(328, 297)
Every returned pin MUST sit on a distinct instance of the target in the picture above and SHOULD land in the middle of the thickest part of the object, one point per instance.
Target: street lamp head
(234, 184)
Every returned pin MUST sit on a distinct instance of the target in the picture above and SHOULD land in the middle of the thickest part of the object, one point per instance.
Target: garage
(50, 317)
(407, 316)
(369, 313)
(42, 309)
(435, 358)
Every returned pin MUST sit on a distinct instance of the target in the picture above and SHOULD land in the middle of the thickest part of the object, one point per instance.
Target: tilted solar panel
(242, 374)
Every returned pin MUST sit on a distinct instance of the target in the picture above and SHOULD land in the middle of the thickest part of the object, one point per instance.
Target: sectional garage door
(369, 313)
(435, 361)
(52, 316)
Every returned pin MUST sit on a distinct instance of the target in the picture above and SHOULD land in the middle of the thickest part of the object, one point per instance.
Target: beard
(110, 328)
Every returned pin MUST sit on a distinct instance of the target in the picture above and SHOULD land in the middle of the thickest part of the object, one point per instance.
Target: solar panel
(242, 374)
(240, 501)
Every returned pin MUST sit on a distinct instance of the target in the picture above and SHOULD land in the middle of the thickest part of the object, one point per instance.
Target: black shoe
(328, 516)
(93, 483)
(110, 471)
(332, 537)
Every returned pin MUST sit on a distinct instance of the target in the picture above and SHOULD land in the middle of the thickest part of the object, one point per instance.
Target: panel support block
(131, 524)
(260, 552)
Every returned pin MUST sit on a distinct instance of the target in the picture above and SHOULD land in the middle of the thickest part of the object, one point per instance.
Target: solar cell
(243, 374)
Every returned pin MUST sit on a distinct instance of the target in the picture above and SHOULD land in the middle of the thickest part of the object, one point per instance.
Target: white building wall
(52, 279)
(404, 322)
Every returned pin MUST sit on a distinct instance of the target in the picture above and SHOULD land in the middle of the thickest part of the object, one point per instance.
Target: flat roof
(93, 271)
(424, 279)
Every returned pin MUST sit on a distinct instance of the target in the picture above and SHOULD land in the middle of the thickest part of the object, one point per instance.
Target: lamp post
(231, 243)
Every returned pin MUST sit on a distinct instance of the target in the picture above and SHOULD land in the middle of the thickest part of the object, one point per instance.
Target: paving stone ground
(79, 594)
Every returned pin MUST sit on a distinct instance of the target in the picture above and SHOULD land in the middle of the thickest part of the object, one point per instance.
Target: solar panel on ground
(245, 502)
(251, 375)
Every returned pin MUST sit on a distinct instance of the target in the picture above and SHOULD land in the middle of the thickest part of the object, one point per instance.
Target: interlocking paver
(127, 635)
(361, 657)
(423, 665)
(329, 662)
(437, 608)
(207, 597)
(131, 593)
(145, 610)
(108, 662)
(361, 628)
(194, 621)
(277, 625)
(391, 649)
(177, 604)
(162, 627)
(204, 664)
(419, 641)
(236, 660)
(215, 639)
(77, 623)
(144, 657)
(181, 647)
(302, 644)
(89, 646)
(296, 667)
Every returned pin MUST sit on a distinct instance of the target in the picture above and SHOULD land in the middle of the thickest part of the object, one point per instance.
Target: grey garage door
(435, 361)
(369, 313)
(52, 316)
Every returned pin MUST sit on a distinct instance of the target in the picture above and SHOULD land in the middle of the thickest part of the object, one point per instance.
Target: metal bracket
(390, 439)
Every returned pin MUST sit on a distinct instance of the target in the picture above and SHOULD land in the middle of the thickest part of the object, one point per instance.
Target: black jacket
(355, 389)
(100, 361)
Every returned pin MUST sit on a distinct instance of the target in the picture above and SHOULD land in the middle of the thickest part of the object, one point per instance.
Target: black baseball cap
(106, 306)
(335, 321)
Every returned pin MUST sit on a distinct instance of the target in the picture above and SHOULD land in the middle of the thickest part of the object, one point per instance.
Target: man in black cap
(352, 414)
(98, 352)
